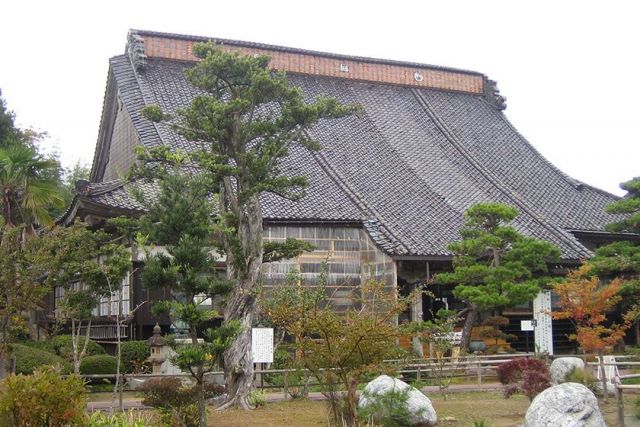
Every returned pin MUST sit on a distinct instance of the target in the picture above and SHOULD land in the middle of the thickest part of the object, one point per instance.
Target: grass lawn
(459, 409)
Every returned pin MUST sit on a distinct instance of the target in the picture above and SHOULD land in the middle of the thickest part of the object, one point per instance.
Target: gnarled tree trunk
(472, 315)
(244, 266)
(238, 363)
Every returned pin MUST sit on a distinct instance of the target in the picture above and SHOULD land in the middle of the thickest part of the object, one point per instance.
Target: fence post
(286, 383)
(418, 376)
(479, 372)
(619, 402)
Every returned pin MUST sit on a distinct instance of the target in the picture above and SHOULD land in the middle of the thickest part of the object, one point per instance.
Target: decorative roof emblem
(135, 50)
(418, 77)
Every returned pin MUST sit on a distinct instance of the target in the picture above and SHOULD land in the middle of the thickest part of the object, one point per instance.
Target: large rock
(419, 408)
(564, 405)
(562, 366)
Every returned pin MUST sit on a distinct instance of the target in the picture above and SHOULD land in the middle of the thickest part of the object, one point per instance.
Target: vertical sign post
(543, 333)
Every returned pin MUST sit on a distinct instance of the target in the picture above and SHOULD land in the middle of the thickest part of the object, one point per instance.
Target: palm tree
(29, 186)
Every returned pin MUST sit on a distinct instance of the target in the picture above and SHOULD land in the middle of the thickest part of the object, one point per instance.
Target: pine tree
(181, 222)
(621, 259)
(494, 266)
(245, 121)
(629, 204)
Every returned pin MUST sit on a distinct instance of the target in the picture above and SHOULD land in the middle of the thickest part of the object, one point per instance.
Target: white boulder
(564, 405)
(419, 408)
(562, 366)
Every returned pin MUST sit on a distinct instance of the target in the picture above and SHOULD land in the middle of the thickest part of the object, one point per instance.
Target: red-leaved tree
(586, 301)
(526, 376)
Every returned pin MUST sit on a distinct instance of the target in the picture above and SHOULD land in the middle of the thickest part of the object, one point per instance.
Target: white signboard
(543, 334)
(526, 325)
(262, 345)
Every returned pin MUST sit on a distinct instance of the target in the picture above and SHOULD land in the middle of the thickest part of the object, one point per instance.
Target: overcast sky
(570, 69)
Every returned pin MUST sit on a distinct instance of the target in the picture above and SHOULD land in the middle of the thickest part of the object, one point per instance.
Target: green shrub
(30, 358)
(175, 403)
(63, 347)
(632, 350)
(298, 379)
(43, 399)
(130, 418)
(387, 409)
(100, 364)
(637, 408)
(576, 375)
(257, 398)
(134, 356)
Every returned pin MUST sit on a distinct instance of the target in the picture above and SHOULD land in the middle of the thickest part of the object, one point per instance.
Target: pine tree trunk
(4, 365)
(238, 362)
(202, 409)
(468, 326)
(244, 267)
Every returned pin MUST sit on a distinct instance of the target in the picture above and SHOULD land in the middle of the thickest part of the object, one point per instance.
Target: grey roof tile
(407, 168)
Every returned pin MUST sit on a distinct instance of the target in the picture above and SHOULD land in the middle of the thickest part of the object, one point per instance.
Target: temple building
(389, 189)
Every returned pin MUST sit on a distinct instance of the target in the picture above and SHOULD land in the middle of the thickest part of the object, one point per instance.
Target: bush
(29, 358)
(298, 379)
(100, 364)
(388, 409)
(130, 418)
(63, 347)
(175, 402)
(134, 356)
(577, 376)
(257, 398)
(524, 375)
(43, 399)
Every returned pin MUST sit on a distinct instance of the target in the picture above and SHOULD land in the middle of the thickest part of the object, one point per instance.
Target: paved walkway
(136, 403)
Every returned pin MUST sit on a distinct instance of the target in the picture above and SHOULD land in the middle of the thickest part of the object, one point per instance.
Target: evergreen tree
(494, 266)
(629, 204)
(29, 181)
(20, 287)
(9, 134)
(181, 221)
(245, 120)
(622, 259)
(88, 266)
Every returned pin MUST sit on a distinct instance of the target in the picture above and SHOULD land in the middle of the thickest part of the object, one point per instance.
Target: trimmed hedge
(134, 354)
(63, 347)
(100, 364)
(29, 358)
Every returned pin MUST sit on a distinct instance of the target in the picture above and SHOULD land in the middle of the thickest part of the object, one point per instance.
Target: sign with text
(543, 335)
(262, 345)
(526, 325)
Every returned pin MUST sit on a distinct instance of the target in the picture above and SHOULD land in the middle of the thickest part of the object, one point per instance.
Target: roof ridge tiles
(302, 51)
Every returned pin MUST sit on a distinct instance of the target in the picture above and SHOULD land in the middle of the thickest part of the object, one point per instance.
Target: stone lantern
(156, 344)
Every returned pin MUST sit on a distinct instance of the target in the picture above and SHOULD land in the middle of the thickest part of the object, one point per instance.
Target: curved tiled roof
(407, 168)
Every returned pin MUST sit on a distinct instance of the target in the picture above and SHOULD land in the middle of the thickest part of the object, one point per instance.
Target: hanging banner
(543, 330)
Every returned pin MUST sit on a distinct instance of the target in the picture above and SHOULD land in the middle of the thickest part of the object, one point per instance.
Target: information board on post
(526, 325)
(262, 345)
